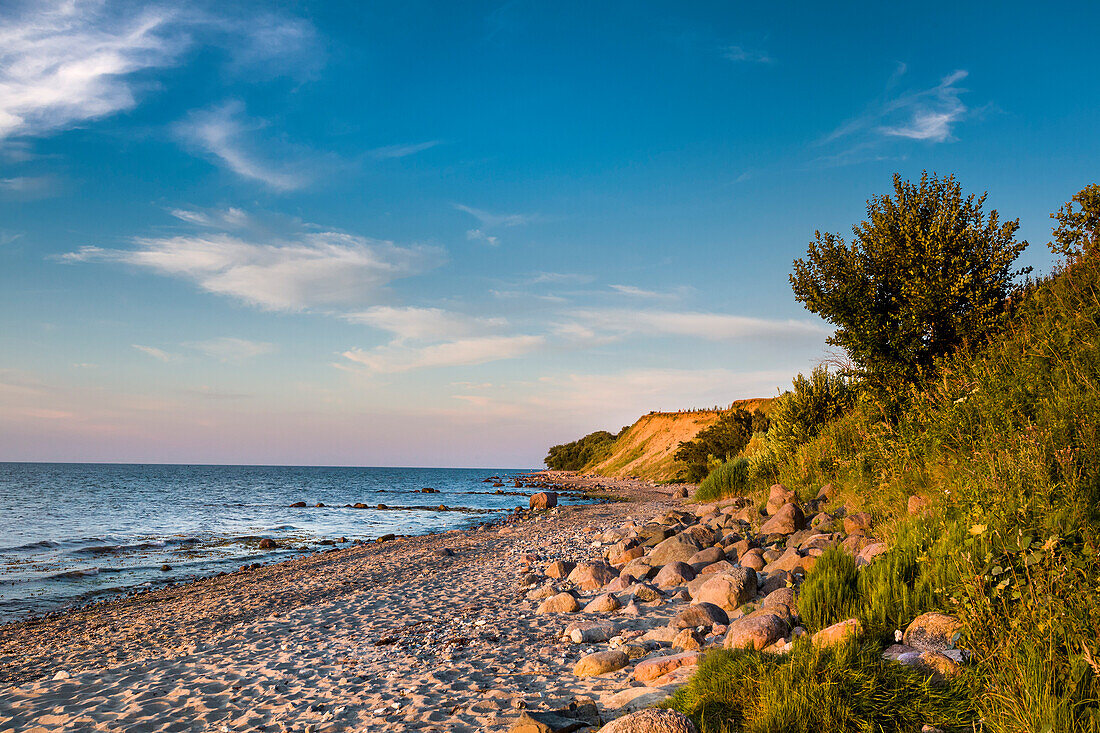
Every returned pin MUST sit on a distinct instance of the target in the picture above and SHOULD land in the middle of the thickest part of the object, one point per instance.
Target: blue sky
(456, 233)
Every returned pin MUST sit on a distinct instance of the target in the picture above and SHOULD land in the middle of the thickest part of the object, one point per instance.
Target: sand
(379, 637)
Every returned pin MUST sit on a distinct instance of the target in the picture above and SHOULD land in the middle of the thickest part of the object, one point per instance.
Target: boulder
(298, 505)
(858, 523)
(699, 614)
(677, 547)
(651, 669)
(753, 559)
(591, 575)
(606, 603)
(618, 585)
(870, 552)
(688, 640)
(707, 556)
(599, 663)
(651, 720)
(652, 534)
(755, 631)
(544, 500)
(838, 633)
(591, 633)
(680, 493)
(559, 569)
(645, 592)
(267, 544)
(773, 581)
(638, 569)
(789, 561)
(826, 493)
(728, 591)
(782, 597)
(634, 698)
(560, 603)
(674, 574)
(627, 555)
(703, 535)
(787, 519)
(722, 566)
(933, 632)
(541, 593)
(779, 495)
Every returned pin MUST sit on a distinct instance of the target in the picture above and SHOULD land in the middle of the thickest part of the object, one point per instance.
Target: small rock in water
(267, 544)
(298, 505)
(166, 567)
(386, 538)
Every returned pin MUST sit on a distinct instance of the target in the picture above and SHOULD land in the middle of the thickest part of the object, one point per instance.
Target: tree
(927, 271)
(1078, 232)
(721, 441)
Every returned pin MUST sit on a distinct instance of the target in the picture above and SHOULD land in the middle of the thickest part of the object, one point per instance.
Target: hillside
(647, 447)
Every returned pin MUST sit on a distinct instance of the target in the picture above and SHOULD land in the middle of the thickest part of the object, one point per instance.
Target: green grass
(831, 592)
(731, 478)
(840, 689)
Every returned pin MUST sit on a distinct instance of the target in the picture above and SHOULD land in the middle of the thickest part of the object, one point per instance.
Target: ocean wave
(40, 545)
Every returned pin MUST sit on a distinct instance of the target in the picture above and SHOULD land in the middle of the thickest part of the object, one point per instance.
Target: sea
(76, 533)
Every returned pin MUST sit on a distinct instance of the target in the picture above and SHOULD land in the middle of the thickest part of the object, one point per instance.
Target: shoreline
(369, 615)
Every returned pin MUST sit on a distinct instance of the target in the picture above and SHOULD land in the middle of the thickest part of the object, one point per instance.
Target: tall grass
(730, 478)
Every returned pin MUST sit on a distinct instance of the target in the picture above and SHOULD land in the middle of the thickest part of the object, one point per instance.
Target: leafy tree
(1078, 232)
(578, 454)
(927, 271)
(721, 441)
(798, 415)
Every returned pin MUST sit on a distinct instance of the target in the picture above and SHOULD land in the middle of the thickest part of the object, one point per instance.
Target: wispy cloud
(708, 326)
(293, 271)
(490, 222)
(929, 115)
(747, 55)
(226, 133)
(230, 349)
(424, 324)
(27, 187)
(459, 352)
(158, 354)
(230, 218)
(401, 151)
(65, 63)
(636, 292)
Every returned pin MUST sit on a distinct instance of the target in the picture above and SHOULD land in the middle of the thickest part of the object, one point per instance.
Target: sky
(454, 234)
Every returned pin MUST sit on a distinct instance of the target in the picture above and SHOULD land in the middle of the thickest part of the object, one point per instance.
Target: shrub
(731, 478)
(831, 592)
(719, 442)
(798, 415)
(578, 454)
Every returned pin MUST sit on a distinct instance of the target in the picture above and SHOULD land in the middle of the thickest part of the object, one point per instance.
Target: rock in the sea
(755, 632)
(651, 669)
(386, 538)
(560, 603)
(787, 519)
(606, 603)
(267, 544)
(599, 663)
(677, 547)
(838, 633)
(728, 591)
(544, 500)
(298, 505)
(559, 569)
(933, 632)
(591, 575)
(699, 614)
(673, 574)
(651, 720)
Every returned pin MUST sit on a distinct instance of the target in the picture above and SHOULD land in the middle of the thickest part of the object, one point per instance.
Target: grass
(839, 689)
(731, 478)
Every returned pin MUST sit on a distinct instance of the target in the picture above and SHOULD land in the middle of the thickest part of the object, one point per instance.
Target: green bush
(731, 478)
(838, 689)
(831, 591)
(798, 415)
(578, 454)
(719, 442)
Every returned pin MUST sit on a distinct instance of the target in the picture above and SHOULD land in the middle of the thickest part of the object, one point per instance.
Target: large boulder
(677, 547)
(544, 500)
(653, 534)
(779, 495)
(838, 633)
(688, 640)
(559, 569)
(606, 603)
(674, 574)
(728, 591)
(699, 614)
(787, 519)
(782, 597)
(858, 523)
(722, 566)
(870, 552)
(560, 603)
(591, 632)
(651, 669)
(599, 663)
(754, 559)
(651, 720)
(627, 555)
(707, 556)
(592, 575)
(932, 632)
(755, 631)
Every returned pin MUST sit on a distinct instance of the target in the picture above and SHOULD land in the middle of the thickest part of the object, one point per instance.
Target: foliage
(831, 592)
(927, 272)
(719, 442)
(798, 415)
(1078, 230)
(576, 455)
(837, 689)
(731, 478)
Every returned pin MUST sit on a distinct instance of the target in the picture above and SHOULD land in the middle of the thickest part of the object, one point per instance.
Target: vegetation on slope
(578, 454)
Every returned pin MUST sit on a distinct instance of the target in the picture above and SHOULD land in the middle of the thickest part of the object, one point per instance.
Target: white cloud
(748, 55)
(27, 187)
(477, 234)
(636, 292)
(396, 357)
(228, 348)
(65, 63)
(231, 218)
(493, 221)
(423, 324)
(154, 352)
(226, 133)
(305, 270)
(709, 326)
(931, 114)
(401, 151)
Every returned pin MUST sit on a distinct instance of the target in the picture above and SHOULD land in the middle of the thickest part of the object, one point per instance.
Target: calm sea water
(73, 533)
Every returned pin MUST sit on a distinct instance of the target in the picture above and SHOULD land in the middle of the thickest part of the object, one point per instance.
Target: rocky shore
(558, 618)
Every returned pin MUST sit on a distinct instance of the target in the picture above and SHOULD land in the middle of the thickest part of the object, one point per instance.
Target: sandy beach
(430, 633)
